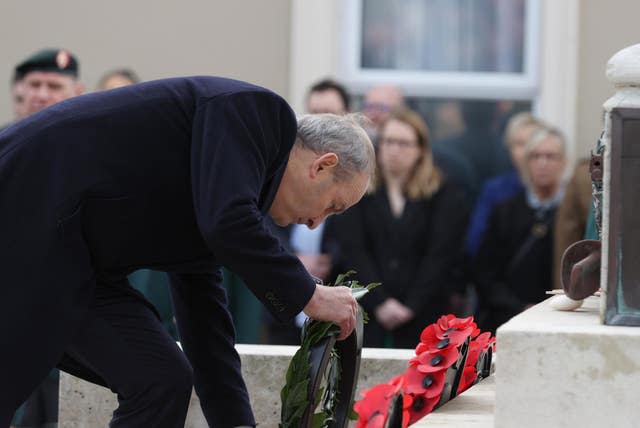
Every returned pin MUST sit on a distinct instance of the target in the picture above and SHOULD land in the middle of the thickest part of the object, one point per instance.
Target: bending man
(174, 175)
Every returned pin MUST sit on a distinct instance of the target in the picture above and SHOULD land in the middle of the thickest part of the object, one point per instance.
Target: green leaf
(353, 415)
(319, 420)
(342, 277)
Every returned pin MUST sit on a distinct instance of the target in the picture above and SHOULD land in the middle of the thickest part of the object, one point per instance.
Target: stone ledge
(566, 369)
(83, 404)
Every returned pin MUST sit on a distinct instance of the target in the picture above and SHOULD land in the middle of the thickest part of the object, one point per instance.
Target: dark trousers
(123, 345)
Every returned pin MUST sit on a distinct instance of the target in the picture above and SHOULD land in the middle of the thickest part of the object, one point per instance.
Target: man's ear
(325, 162)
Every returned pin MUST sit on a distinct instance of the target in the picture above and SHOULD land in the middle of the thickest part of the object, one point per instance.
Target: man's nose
(43, 93)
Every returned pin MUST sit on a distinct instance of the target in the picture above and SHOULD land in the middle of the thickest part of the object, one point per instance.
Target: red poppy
(433, 336)
(424, 380)
(421, 406)
(373, 409)
(427, 384)
(477, 346)
(434, 362)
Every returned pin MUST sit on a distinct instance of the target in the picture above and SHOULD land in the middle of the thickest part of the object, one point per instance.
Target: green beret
(56, 60)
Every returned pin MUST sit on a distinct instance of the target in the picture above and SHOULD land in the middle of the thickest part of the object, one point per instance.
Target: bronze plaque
(623, 282)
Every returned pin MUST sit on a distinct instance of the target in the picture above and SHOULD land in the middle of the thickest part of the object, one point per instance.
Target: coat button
(394, 263)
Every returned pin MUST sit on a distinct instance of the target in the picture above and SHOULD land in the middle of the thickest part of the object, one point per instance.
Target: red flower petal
(443, 323)
(375, 400)
(421, 406)
(484, 339)
(427, 384)
(376, 421)
(422, 347)
(437, 361)
(457, 337)
(429, 335)
(475, 349)
(461, 322)
(469, 376)
(406, 417)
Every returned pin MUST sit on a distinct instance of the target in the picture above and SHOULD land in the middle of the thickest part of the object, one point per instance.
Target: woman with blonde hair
(407, 233)
(513, 265)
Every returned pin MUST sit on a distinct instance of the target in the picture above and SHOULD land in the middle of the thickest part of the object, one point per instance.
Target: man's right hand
(334, 304)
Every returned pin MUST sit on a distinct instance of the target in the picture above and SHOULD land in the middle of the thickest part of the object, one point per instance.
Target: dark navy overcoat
(175, 175)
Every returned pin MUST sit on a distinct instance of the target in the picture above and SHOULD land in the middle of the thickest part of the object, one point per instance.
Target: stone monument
(566, 369)
(620, 271)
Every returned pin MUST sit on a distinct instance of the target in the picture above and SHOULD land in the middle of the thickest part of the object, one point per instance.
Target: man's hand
(334, 304)
(392, 314)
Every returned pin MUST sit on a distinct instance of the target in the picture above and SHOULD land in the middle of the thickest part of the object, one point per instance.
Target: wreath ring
(349, 353)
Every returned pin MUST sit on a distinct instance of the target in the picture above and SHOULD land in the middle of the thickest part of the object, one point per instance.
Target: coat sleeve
(240, 142)
(444, 250)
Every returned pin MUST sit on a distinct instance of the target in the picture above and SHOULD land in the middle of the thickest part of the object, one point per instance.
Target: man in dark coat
(43, 79)
(174, 175)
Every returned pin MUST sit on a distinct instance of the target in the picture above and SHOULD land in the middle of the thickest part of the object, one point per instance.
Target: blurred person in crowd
(43, 79)
(310, 245)
(478, 143)
(48, 76)
(327, 96)
(513, 266)
(448, 116)
(495, 190)
(406, 233)
(572, 219)
(378, 103)
(117, 78)
(16, 92)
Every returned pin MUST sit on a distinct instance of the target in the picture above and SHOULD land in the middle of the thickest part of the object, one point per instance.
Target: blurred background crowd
(481, 122)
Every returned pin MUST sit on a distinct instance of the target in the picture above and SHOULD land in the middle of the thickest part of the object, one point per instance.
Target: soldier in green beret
(47, 77)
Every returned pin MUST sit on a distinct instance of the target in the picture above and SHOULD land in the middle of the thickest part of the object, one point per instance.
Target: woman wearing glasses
(407, 233)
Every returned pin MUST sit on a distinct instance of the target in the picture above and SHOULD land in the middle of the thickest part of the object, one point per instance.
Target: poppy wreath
(302, 404)
(453, 354)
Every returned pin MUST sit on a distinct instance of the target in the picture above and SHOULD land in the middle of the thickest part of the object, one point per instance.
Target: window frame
(469, 85)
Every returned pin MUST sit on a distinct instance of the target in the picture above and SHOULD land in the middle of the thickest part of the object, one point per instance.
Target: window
(443, 48)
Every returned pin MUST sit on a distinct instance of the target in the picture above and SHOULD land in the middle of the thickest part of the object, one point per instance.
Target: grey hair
(517, 121)
(343, 135)
(542, 134)
(534, 141)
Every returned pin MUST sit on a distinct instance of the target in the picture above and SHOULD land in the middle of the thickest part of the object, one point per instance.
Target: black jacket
(414, 256)
(174, 175)
(513, 266)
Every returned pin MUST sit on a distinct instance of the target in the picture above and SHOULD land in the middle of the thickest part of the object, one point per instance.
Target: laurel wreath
(294, 395)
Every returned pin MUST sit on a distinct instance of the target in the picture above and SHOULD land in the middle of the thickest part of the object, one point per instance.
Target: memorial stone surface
(83, 404)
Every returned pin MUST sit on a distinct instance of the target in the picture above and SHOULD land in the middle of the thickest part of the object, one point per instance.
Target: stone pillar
(618, 271)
